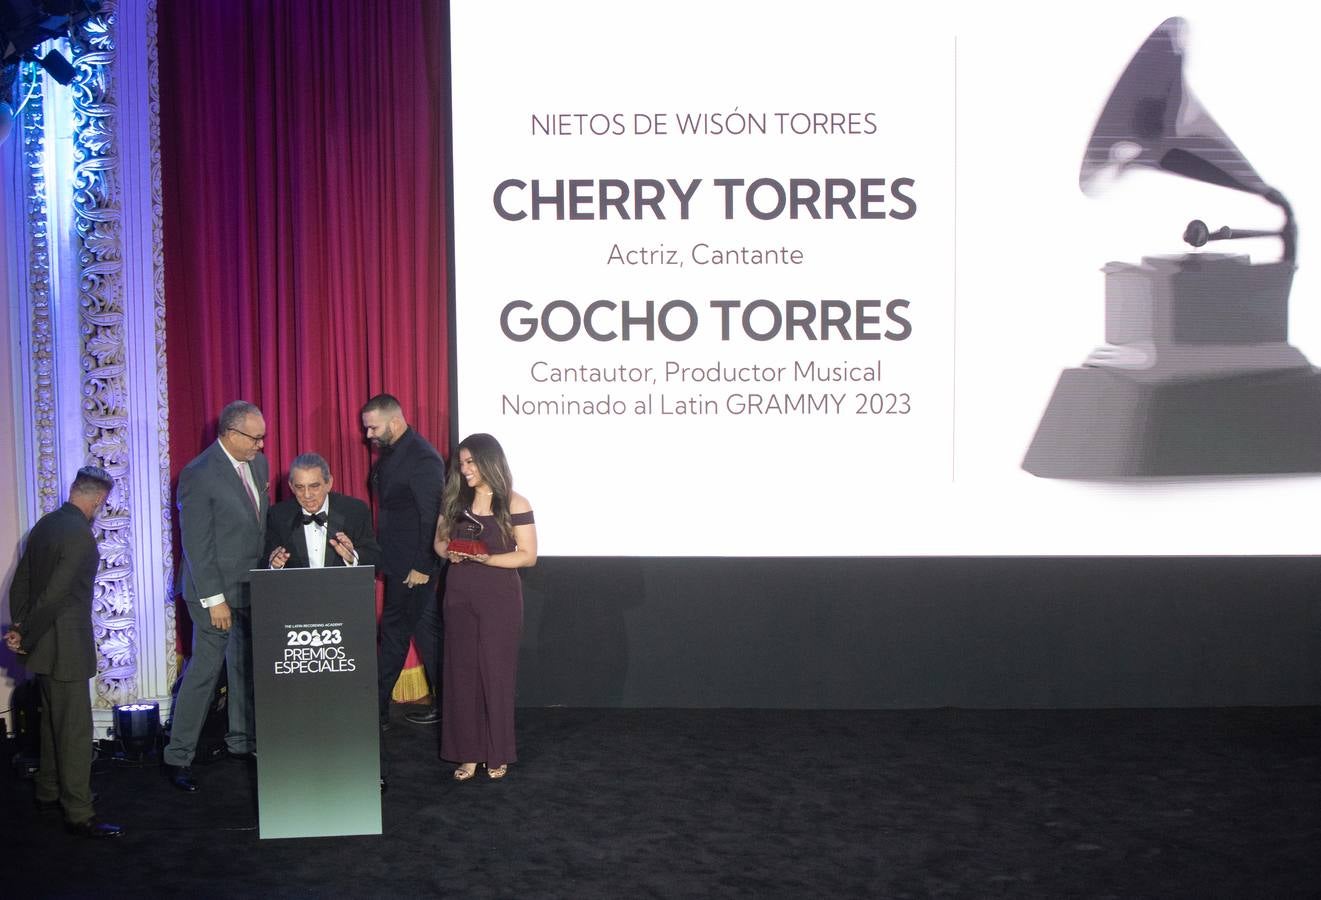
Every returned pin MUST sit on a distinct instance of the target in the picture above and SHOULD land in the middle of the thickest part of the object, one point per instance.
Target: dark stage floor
(692, 803)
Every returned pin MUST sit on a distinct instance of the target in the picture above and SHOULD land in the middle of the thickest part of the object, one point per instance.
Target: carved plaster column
(35, 291)
(94, 315)
(117, 222)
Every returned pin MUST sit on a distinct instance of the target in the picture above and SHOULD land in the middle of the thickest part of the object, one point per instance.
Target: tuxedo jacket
(51, 596)
(222, 535)
(408, 481)
(284, 528)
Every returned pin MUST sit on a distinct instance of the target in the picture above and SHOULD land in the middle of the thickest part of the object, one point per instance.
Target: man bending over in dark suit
(318, 527)
(51, 600)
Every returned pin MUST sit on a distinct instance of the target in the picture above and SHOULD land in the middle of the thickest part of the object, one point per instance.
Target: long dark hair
(489, 457)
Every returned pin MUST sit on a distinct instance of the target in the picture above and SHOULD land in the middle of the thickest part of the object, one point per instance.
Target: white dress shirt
(315, 536)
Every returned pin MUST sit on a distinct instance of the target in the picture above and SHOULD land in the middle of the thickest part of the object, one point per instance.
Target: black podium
(314, 677)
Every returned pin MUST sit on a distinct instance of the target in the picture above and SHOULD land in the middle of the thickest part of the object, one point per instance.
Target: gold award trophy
(466, 538)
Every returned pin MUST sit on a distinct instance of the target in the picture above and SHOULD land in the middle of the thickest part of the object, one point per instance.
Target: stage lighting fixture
(138, 726)
(56, 66)
(24, 26)
(1198, 377)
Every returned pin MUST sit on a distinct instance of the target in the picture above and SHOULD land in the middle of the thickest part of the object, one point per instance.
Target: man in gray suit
(223, 499)
(51, 600)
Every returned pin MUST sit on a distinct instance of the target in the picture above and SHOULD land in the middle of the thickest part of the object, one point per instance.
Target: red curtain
(302, 147)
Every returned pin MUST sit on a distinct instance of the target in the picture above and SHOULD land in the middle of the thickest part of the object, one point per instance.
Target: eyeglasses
(255, 438)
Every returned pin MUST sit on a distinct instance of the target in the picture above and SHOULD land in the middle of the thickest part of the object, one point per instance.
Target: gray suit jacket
(222, 537)
(51, 596)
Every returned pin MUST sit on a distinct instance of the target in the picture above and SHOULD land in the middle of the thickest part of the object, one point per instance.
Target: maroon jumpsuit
(483, 627)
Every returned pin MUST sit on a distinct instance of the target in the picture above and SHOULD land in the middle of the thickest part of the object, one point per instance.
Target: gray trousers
(66, 747)
(212, 648)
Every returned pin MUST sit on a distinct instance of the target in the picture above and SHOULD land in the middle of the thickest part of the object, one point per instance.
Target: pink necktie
(247, 488)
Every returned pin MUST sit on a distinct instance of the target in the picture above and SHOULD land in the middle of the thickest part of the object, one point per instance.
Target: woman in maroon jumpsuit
(487, 533)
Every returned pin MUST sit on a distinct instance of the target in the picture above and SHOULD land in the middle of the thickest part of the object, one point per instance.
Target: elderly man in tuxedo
(318, 527)
(407, 480)
(51, 601)
(223, 500)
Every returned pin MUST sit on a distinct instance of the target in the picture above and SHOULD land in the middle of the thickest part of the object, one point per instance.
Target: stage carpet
(748, 803)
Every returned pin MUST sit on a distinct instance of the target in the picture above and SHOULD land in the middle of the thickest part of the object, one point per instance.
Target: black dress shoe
(93, 829)
(181, 777)
(250, 756)
(430, 717)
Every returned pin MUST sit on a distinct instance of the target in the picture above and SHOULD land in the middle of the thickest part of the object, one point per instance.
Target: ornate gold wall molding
(91, 307)
(104, 389)
(41, 330)
(158, 303)
(124, 395)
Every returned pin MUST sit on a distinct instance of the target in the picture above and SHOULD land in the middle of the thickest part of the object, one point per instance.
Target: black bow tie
(319, 518)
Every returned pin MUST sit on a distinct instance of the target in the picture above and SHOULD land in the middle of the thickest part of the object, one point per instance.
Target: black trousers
(408, 613)
(66, 747)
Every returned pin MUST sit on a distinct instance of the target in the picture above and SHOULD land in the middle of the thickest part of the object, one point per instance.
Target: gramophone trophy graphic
(1198, 377)
(467, 537)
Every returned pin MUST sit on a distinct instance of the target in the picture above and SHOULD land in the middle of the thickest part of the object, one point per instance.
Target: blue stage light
(138, 726)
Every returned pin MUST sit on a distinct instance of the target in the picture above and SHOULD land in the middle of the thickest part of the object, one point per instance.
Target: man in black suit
(407, 481)
(223, 499)
(51, 601)
(318, 527)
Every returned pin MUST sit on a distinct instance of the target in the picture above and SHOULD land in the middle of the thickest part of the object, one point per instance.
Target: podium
(314, 680)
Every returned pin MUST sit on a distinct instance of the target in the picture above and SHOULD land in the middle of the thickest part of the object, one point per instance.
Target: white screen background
(988, 111)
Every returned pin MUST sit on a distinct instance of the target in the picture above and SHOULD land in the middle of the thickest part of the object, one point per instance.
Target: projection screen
(754, 279)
